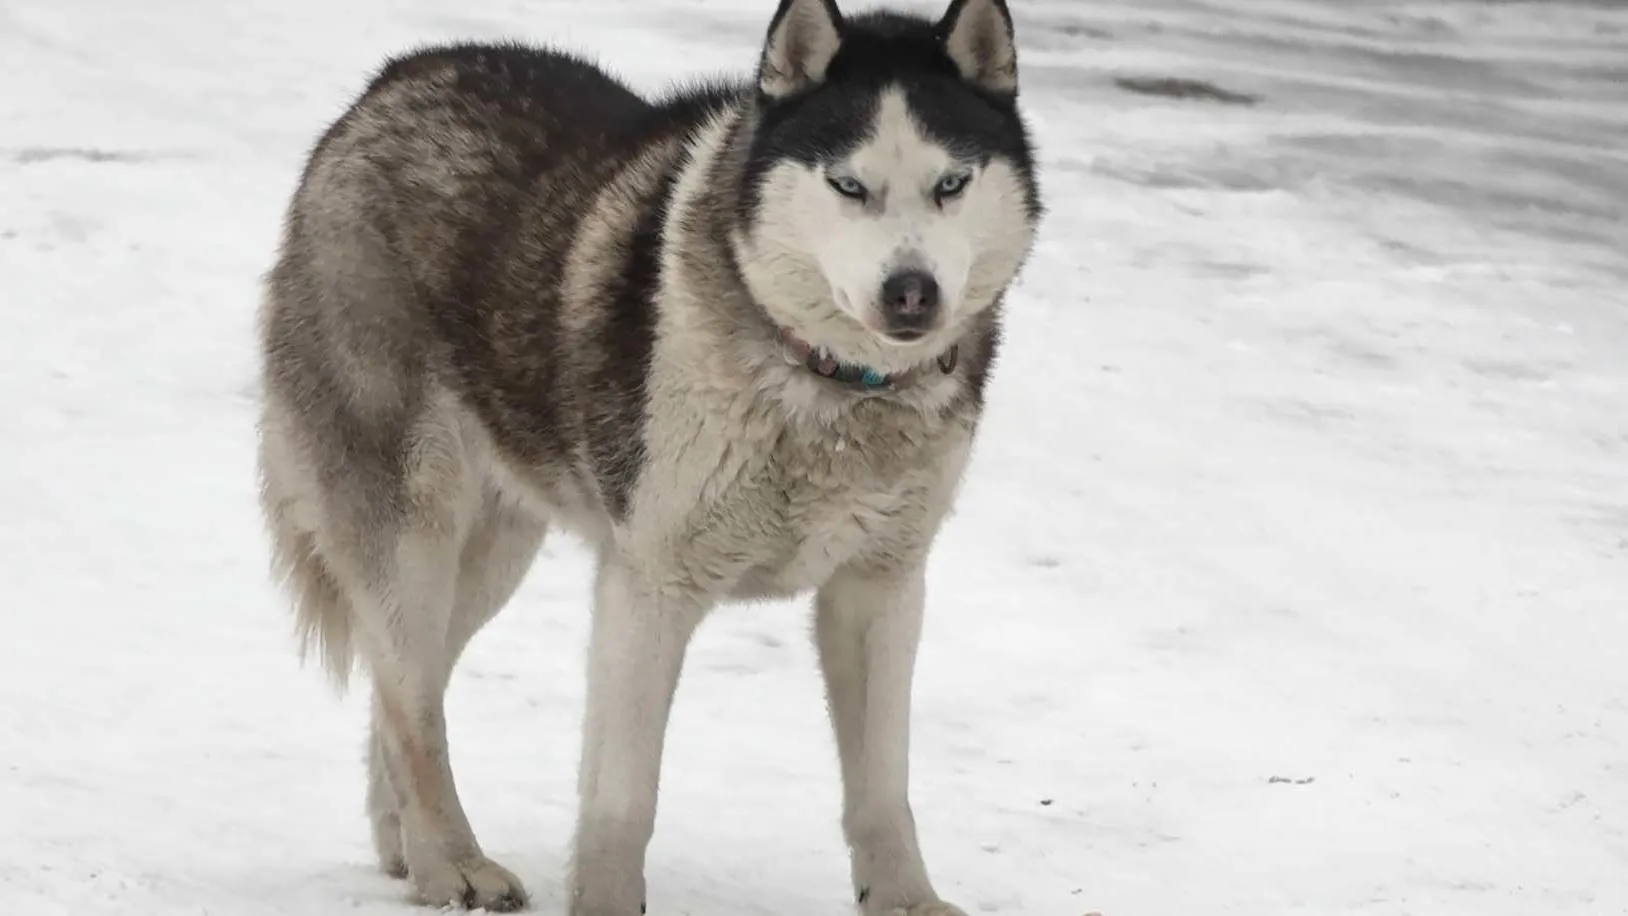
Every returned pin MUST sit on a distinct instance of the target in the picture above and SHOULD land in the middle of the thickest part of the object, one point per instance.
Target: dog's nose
(910, 302)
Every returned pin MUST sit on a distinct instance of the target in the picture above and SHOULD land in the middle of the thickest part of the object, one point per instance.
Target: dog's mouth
(902, 336)
(877, 324)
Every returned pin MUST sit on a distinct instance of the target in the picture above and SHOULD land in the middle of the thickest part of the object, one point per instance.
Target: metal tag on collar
(822, 362)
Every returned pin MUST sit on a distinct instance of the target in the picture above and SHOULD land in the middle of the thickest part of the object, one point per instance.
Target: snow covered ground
(1291, 576)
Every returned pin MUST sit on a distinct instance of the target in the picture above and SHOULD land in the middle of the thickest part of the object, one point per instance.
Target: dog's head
(889, 193)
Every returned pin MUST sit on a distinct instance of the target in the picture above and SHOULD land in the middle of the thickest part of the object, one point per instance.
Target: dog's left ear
(977, 35)
(803, 37)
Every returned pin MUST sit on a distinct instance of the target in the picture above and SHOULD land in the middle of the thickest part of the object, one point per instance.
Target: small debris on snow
(1185, 89)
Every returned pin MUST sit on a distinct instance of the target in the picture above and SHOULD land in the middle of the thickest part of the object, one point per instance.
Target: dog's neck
(824, 363)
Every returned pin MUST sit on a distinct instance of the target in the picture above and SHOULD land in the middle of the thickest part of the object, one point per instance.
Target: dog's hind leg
(397, 542)
(497, 552)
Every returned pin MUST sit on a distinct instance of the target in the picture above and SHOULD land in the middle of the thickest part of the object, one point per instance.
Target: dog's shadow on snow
(680, 887)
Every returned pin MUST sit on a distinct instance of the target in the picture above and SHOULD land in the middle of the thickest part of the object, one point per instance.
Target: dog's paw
(475, 883)
(937, 908)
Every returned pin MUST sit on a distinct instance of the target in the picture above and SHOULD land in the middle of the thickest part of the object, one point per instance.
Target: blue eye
(848, 187)
(951, 185)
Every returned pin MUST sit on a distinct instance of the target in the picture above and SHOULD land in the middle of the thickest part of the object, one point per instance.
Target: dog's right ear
(977, 35)
(803, 37)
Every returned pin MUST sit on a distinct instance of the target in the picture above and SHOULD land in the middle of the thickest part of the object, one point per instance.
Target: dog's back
(415, 324)
(404, 229)
(419, 287)
(384, 233)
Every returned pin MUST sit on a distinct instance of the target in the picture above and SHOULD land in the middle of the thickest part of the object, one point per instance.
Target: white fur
(635, 654)
(867, 629)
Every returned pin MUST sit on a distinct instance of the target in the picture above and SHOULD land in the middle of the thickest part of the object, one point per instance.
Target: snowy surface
(1291, 575)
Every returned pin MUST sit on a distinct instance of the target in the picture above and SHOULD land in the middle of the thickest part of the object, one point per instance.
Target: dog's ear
(977, 35)
(803, 37)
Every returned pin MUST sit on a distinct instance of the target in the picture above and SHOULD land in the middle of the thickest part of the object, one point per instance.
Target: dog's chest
(779, 514)
(823, 510)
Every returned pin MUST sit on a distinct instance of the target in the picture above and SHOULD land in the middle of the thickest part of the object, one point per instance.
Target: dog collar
(824, 363)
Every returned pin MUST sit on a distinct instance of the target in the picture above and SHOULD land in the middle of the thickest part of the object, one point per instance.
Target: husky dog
(736, 338)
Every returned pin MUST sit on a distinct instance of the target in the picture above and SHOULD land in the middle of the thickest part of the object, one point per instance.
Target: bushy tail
(322, 615)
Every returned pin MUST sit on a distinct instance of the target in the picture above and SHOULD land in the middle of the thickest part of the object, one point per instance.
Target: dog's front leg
(634, 658)
(868, 624)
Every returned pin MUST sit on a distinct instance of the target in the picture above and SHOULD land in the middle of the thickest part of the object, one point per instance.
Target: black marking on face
(880, 50)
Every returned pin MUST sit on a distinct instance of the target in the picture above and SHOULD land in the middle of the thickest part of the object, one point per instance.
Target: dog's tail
(322, 613)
